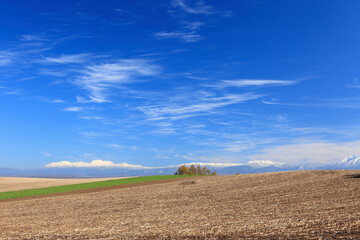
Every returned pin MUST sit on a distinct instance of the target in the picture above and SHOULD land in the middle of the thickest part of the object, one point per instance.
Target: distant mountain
(81, 172)
(246, 169)
(99, 168)
(111, 170)
(9, 172)
(350, 162)
(108, 169)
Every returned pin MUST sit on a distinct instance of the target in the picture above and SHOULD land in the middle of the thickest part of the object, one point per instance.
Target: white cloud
(66, 59)
(92, 134)
(182, 35)
(58, 101)
(193, 25)
(119, 10)
(165, 131)
(187, 35)
(32, 38)
(4, 61)
(199, 8)
(280, 103)
(122, 147)
(7, 57)
(98, 80)
(189, 30)
(347, 102)
(55, 73)
(201, 102)
(309, 152)
(91, 117)
(73, 109)
(252, 82)
(13, 92)
(25, 52)
(196, 77)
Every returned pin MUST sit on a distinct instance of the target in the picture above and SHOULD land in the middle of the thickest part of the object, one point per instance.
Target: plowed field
(287, 205)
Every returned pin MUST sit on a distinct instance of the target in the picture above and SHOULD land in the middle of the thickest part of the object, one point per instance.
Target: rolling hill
(284, 205)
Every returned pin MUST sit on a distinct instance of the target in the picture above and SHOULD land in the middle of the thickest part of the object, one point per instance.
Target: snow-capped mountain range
(100, 168)
(105, 164)
(352, 161)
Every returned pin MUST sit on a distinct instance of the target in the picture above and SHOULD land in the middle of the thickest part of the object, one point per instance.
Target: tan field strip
(288, 205)
(18, 183)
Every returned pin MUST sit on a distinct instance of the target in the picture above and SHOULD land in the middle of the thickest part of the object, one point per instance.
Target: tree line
(192, 170)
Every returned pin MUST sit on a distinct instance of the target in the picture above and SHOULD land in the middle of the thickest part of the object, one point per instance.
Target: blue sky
(157, 83)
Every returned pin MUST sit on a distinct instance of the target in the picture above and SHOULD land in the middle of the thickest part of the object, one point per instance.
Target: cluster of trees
(192, 170)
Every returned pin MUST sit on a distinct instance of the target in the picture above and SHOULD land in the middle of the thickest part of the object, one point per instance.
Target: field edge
(100, 185)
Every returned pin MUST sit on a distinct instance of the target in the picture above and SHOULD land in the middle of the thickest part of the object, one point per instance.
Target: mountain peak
(350, 161)
(263, 163)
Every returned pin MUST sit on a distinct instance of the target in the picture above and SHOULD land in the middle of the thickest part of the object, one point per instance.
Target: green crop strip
(82, 186)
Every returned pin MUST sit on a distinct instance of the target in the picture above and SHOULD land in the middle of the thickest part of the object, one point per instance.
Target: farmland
(91, 185)
(287, 205)
(20, 183)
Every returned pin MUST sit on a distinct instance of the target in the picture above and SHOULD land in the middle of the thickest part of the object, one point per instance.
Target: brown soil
(288, 205)
(19, 183)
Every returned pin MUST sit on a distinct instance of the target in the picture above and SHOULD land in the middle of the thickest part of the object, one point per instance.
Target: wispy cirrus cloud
(252, 83)
(73, 109)
(122, 147)
(7, 57)
(29, 51)
(199, 8)
(189, 31)
(5, 61)
(92, 134)
(346, 102)
(100, 79)
(33, 38)
(174, 51)
(92, 117)
(25, 52)
(57, 101)
(192, 25)
(119, 10)
(274, 102)
(187, 36)
(178, 107)
(13, 92)
(66, 59)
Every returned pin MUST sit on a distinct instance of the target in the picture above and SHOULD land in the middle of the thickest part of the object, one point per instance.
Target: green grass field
(81, 186)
